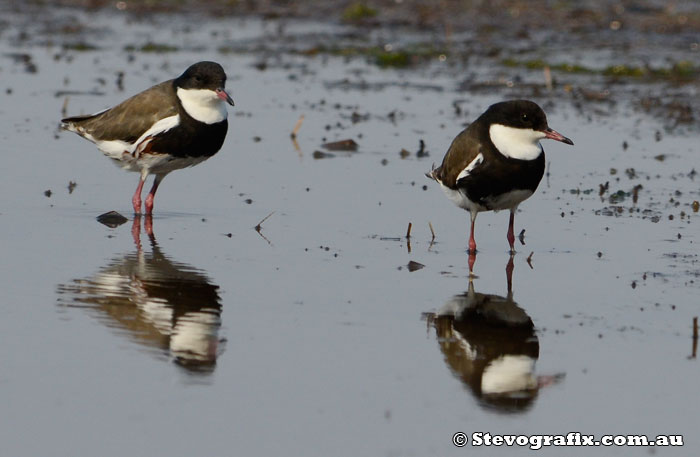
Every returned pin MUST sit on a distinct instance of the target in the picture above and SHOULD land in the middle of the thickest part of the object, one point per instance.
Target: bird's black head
(205, 76)
(202, 75)
(522, 114)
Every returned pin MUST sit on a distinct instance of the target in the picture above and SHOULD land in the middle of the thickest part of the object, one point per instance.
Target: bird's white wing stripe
(161, 126)
(472, 165)
(116, 148)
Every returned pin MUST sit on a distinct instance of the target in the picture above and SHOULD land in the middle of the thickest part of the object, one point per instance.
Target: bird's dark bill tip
(554, 135)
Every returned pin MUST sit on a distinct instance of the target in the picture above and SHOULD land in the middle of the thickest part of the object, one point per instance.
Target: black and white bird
(175, 124)
(497, 162)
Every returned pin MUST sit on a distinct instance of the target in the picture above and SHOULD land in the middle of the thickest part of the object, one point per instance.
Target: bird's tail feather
(432, 174)
(69, 123)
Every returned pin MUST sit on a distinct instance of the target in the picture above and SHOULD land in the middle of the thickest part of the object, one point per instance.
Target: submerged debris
(112, 219)
(342, 145)
(322, 155)
(414, 266)
(422, 152)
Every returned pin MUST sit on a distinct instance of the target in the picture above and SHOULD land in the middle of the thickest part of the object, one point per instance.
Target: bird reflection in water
(159, 303)
(490, 344)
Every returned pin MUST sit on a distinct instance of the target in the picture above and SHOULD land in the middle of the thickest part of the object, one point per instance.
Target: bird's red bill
(223, 95)
(554, 135)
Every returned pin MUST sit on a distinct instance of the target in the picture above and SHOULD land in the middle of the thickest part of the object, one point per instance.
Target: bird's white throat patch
(521, 144)
(203, 105)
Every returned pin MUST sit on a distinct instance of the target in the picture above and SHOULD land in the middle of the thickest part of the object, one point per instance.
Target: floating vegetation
(392, 59)
(682, 70)
(157, 48)
(359, 11)
(536, 64)
(80, 46)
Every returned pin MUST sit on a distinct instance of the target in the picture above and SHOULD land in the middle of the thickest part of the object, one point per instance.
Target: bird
(175, 124)
(497, 162)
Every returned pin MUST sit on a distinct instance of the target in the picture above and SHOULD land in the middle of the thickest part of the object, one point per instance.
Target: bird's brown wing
(463, 150)
(131, 118)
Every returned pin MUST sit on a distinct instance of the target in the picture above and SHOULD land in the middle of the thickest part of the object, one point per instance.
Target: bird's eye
(524, 117)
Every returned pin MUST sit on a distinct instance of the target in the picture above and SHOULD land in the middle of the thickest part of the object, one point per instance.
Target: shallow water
(313, 336)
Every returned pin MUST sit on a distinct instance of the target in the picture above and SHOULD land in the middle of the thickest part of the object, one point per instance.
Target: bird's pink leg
(511, 235)
(152, 194)
(472, 244)
(136, 199)
(472, 241)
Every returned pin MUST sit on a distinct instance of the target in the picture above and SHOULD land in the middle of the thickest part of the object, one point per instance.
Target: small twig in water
(296, 146)
(529, 260)
(297, 126)
(259, 226)
(548, 78)
(635, 193)
(695, 338)
(408, 232)
(64, 109)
